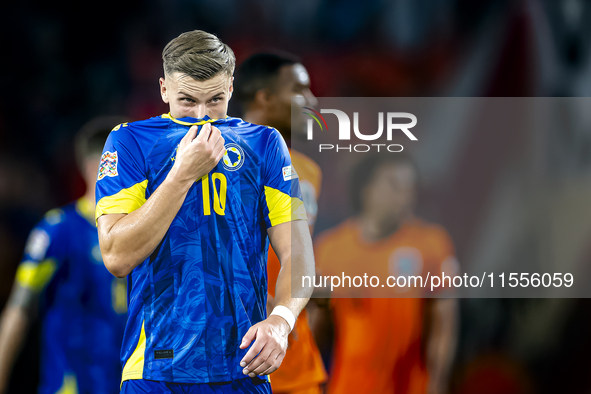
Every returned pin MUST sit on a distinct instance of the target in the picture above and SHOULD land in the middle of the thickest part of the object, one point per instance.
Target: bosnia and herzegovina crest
(234, 157)
(108, 165)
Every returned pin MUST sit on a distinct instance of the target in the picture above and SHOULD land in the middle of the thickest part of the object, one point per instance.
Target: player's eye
(187, 100)
(215, 100)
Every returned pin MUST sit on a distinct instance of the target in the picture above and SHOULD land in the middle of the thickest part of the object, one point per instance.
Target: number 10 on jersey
(219, 186)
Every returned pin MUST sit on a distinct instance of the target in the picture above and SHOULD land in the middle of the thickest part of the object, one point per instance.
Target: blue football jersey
(82, 306)
(205, 285)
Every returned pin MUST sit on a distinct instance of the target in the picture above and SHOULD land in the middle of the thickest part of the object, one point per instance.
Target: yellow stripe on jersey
(125, 201)
(201, 122)
(134, 367)
(282, 207)
(85, 208)
(69, 385)
(35, 276)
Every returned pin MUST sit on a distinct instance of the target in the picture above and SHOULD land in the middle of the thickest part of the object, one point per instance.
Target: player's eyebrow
(185, 94)
(217, 95)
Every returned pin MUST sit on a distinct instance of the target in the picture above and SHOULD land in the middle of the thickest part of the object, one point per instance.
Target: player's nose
(200, 111)
(311, 100)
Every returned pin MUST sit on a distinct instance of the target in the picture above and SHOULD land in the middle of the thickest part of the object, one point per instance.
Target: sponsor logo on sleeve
(289, 173)
(108, 165)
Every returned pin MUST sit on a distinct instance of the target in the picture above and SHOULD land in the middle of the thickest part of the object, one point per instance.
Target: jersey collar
(188, 121)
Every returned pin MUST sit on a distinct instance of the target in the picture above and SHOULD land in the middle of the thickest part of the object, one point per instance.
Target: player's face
(196, 99)
(293, 81)
(392, 192)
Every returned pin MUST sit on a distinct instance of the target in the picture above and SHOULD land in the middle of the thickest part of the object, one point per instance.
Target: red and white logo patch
(108, 166)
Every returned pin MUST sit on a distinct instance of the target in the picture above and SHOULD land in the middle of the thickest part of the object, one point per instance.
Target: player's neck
(374, 229)
(256, 116)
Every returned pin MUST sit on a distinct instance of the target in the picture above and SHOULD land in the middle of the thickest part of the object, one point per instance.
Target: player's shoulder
(151, 124)
(59, 215)
(251, 130)
(53, 224)
(141, 132)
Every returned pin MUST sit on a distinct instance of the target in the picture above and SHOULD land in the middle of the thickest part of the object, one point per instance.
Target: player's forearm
(128, 241)
(293, 297)
(13, 328)
(291, 291)
(442, 343)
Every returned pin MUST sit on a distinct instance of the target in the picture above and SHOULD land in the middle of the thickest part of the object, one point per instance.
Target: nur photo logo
(394, 123)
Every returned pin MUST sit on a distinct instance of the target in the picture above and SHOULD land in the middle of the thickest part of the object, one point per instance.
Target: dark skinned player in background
(265, 84)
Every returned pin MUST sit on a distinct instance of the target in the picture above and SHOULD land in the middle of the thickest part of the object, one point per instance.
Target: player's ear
(231, 89)
(163, 91)
(262, 98)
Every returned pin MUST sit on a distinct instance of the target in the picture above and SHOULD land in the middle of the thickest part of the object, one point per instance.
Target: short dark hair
(91, 138)
(363, 172)
(258, 72)
(198, 54)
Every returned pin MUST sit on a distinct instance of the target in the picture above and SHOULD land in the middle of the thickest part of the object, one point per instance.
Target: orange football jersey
(377, 346)
(302, 366)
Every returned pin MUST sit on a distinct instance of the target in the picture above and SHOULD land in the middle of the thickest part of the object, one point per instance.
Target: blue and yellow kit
(83, 307)
(205, 285)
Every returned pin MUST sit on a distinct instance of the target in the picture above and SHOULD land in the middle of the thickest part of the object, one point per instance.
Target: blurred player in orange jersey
(265, 85)
(388, 345)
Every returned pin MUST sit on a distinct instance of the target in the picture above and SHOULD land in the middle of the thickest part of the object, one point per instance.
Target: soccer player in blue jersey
(187, 203)
(81, 305)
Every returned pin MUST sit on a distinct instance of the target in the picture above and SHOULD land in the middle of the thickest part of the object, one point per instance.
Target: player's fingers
(248, 337)
(204, 132)
(254, 350)
(215, 134)
(219, 149)
(266, 364)
(259, 363)
(190, 136)
(220, 154)
(219, 142)
(275, 363)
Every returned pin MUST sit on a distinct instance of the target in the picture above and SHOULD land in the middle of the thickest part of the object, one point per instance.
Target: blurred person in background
(388, 345)
(62, 280)
(265, 84)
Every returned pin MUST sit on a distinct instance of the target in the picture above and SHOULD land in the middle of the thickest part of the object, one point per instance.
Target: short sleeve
(121, 180)
(45, 252)
(282, 198)
(443, 259)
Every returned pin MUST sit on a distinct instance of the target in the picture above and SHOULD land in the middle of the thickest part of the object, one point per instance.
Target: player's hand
(197, 154)
(268, 350)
